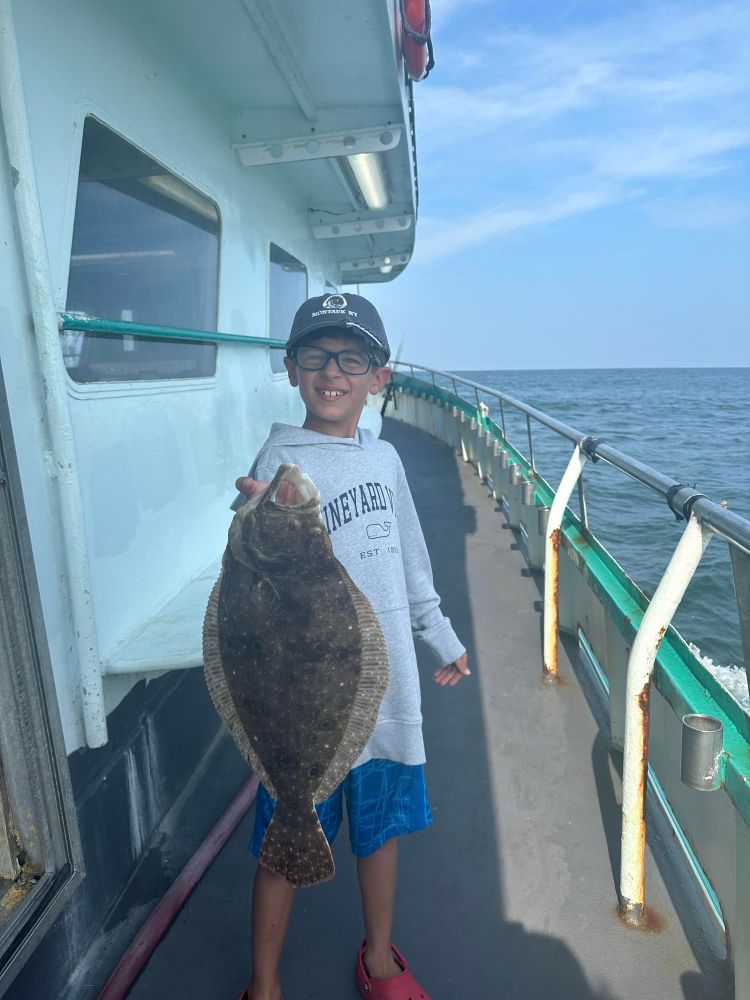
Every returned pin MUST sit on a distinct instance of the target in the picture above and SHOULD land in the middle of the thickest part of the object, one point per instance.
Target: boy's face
(334, 399)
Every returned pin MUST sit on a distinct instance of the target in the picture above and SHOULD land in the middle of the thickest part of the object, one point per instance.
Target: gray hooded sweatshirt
(369, 513)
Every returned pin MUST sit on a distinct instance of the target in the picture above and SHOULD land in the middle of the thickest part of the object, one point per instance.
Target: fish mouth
(307, 493)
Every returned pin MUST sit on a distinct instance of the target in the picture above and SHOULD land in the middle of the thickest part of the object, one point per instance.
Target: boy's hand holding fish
(287, 493)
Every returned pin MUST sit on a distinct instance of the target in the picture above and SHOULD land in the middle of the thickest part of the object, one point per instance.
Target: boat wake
(732, 677)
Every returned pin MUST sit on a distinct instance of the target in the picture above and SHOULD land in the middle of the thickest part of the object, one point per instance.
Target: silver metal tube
(531, 443)
(582, 502)
(536, 531)
(542, 519)
(702, 738)
(741, 577)
(527, 494)
(44, 316)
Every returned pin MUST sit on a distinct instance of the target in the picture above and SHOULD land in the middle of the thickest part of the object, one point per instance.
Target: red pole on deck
(129, 967)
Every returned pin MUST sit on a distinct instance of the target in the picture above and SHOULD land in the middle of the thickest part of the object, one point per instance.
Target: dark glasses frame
(373, 361)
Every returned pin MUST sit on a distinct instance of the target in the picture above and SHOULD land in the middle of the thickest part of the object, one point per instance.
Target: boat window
(287, 291)
(145, 250)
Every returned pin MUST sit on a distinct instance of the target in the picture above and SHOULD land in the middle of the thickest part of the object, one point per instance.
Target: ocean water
(692, 424)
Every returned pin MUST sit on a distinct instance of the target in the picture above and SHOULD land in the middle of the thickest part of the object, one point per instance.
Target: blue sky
(584, 183)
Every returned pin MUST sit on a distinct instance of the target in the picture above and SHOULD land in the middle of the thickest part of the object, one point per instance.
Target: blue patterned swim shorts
(384, 799)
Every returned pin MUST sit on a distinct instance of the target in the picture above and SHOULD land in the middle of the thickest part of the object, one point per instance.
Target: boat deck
(512, 891)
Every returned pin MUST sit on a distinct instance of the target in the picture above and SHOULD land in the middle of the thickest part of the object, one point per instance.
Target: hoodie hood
(290, 436)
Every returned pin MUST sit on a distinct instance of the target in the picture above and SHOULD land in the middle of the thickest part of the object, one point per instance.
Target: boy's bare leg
(377, 882)
(272, 904)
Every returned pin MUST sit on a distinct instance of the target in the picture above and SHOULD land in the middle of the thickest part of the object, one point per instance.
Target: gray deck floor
(512, 891)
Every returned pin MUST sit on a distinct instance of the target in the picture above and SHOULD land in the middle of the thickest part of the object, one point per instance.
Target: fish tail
(295, 846)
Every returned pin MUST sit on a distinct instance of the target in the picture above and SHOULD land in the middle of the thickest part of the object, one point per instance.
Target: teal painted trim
(119, 327)
(679, 675)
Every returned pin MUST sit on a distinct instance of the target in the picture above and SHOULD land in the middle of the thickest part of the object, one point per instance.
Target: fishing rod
(390, 393)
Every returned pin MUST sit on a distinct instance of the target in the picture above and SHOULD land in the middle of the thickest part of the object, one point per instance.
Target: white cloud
(707, 212)
(656, 95)
(441, 238)
(669, 152)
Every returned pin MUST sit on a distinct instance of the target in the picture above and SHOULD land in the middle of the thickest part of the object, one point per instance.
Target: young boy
(337, 353)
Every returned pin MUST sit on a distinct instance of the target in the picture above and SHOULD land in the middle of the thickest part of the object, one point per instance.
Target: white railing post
(551, 560)
(669, 593)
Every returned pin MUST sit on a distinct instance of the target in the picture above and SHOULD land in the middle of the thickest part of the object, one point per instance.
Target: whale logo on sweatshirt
(379, 530)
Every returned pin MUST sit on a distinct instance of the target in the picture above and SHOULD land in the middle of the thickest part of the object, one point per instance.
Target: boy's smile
(334, 399)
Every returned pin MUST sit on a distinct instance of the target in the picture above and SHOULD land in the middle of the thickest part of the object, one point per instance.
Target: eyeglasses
(314, 359)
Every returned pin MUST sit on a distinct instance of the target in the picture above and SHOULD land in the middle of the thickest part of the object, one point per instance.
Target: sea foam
(732, 677)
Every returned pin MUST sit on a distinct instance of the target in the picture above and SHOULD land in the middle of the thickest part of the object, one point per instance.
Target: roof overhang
(311, 86)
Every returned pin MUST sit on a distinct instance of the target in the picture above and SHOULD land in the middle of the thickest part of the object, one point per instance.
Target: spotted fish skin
(296, 665)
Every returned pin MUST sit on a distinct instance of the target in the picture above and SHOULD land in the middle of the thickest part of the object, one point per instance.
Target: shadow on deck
(512, 891)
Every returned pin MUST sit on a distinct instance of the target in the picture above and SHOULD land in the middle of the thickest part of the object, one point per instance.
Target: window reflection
(287, 291)
(145, 249)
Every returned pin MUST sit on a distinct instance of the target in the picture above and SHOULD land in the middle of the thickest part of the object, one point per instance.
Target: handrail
(681, 499)
(96, 324)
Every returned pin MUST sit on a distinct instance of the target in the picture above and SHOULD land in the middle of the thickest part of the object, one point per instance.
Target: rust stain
(644, 703)
(549, 679)
(555, 539)
(650, 921)
(644, 699)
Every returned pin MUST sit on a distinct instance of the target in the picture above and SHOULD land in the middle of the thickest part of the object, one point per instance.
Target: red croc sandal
(402, 987)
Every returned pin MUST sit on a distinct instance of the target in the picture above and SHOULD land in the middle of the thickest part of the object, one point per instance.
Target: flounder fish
(296, 665)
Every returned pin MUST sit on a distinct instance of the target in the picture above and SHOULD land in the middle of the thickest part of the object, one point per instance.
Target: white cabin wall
(157, 461)
(23, 388)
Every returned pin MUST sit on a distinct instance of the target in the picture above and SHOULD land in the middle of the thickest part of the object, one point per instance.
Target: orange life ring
(417, 44)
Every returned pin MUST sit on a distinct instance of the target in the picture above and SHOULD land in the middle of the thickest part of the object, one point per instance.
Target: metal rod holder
(543, 518)
(515, 475)
(702, 741)
(527, 494)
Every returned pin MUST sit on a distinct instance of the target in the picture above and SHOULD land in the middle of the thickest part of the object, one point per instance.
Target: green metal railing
(94, 324)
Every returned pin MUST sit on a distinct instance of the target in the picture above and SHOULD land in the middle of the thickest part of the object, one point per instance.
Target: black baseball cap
(339, 312)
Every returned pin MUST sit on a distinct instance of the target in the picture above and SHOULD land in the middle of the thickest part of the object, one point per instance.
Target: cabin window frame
(281, 373)
(38, 818)
(161, 382)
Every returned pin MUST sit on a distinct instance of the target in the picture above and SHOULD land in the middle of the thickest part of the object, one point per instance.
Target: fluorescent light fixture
(182, 193)
(385, 268)
(368, 171)
(85, 258)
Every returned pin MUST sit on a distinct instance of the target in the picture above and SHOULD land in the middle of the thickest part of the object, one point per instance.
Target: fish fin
(373, 681)
(295, 847)
(219, 689)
